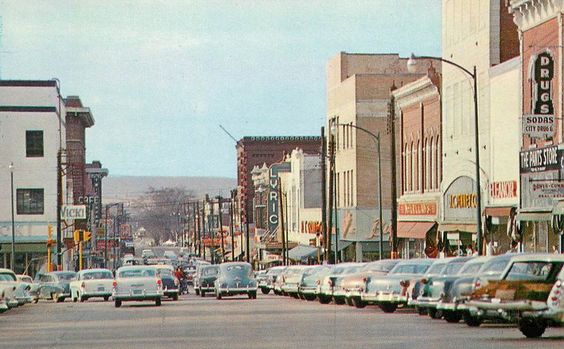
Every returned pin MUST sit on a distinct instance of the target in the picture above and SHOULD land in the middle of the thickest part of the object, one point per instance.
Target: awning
(534, 216)
(469, 228)
(558, 208)
(414, 230)
(503, 211)
(342, 244)
(302, 252)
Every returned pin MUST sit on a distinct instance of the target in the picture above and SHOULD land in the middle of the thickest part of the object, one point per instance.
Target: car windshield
(354, 269)
(97, 275)
(453, 268)
(135, 273)
(410, 269)
(378, 267)
(164, 271)
(470, 268)
(533, 271)
(210, 271)
(7, 277)
(238, 269)
(66, 276)
(495, 266)
(276, 271)
(436, 268)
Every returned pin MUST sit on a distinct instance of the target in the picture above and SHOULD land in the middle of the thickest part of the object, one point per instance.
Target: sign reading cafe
(541, 123)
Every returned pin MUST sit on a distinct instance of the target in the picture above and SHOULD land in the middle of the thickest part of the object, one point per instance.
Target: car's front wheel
(252, 295)
(452, 316)
(359, 303)
(532, 328)
(158, 302)
(388, 308)
(106, 298)
(472, 321)
(118, 303)
(265, 290)
(218, 295)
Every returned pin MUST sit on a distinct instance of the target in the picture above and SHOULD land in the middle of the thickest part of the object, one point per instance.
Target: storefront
(458, 225)
(417, 228)
(499, 218)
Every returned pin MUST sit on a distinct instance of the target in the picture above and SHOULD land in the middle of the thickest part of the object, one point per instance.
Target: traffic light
(49, 235)
(87, 235)
(77, 235)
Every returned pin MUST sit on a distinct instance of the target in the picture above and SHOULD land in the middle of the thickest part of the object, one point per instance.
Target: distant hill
(127, 188)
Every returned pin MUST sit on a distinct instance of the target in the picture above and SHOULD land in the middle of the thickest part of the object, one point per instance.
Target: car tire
(60, 299)
(252, 295)
(106, 298)
(218, 295)
(75, 298)
(82, 299)
(202, 293)
(434, 313)
(359, 303)
(324, 299)
(338, 300)
(117, 303)
(532, 328)
(309, 297)
(421, 311)
(175, 297)
(452, 317)
(388, 308)
(158, 302)
(472, 321)
(265, 290)
(197, 291)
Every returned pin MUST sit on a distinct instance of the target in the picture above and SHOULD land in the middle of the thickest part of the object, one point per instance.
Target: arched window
(438, 162)
(419, 175)
(407, 168)
(413, 166)
(432, 160)
(427, 165)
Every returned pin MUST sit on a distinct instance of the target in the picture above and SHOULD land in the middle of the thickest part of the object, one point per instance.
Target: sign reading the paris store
(541, 123)
(541, 159)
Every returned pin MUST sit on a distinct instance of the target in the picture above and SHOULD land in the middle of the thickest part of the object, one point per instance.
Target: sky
(161, 76)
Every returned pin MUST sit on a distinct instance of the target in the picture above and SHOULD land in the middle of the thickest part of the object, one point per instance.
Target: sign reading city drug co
(69, 212)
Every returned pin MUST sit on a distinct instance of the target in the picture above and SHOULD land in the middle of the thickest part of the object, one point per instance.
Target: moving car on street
(529, 294)
(170, 283)
(54, 285)
(235, 278)
(206, 280)
(137, 283)
(90, 283)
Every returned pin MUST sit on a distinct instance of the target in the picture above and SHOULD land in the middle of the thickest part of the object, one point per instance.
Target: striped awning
(414, 230)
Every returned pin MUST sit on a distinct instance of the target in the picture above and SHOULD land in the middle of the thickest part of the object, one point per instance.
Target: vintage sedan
(235, 278)
(9, 283)
(271, 277)
(54, 285)
(171, 284)
(434, 286)
(137, 283)
(393, 290)
(330, 285)
(292, 278)
(529, 294)
(23, 295)
(454, 299)
(435, 269)
(3, 305)
(355, 284)
(206, 280)
(90, 283)
(312, 279)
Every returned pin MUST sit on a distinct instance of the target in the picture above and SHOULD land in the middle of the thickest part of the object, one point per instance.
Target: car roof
(416, 261)
(540, 257)
(4, 270)
(133, 267)
(94, 270)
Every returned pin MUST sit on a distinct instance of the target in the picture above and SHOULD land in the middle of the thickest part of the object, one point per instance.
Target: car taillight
(556, 293)
(83, 285)
(478, 284)
(115, 284)
(159, 283)
(365, 279)
(404, 283)
(423, 281)
(176, 282)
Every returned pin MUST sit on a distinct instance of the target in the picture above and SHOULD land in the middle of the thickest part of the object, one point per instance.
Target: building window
(30, 201)
(438, 161)
(34, 144)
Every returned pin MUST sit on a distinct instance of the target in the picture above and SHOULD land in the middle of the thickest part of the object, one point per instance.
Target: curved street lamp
(411, 65)
(376, 138)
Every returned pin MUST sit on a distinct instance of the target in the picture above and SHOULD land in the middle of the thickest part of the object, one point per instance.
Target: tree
(162, 212)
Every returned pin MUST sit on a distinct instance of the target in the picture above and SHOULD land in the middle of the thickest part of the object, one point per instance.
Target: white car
(91, 283)
(137, 283)
(22, 292)
(9, 283)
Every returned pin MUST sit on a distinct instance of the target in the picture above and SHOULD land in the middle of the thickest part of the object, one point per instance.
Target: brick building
(256, 151)
(418, 105)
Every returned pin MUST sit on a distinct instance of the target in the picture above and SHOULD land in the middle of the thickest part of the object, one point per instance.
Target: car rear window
(97, 275)
(410, 269)
(534, 271)
(7, 277)
(134, 273)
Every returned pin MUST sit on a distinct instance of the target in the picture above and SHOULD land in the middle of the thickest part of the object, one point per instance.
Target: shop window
(30, 201)
(34, 144)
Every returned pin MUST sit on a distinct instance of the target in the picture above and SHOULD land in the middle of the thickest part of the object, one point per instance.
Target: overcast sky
(160, 76)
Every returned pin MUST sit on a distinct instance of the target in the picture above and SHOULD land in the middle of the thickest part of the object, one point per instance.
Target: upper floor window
(30, 201)
(34, 144)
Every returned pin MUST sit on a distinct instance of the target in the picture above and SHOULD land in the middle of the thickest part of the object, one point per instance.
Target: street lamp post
(411, 63)
(376, 138)
(13, 254)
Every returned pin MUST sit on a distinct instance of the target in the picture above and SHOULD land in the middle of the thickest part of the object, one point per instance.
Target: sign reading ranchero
(418, 208)
(541, 159)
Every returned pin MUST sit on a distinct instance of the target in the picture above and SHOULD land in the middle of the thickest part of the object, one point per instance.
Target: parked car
(170, 283)
(90, 283)
(529, 294)
(235, 278)
(54, 285)
(339, 292)
(23, 289)
(355, 283)
(279, 280)
(146, 254)
(327, 285)
(261, 277)
(3, 305)
(271, 276)
(435, 269)
(10, 284)
(434, 286)
(291, 280)
(137, 283)
(454, 299)
(206, 280)
(392, 291)
(311, 281)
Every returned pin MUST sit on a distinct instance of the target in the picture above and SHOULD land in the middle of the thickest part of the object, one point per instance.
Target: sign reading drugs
(69, 212)
(540, 124)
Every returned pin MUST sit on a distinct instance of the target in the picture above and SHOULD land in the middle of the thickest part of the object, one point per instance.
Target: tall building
(358, 94)
(253, 151)
(478, 34)
(32, 134)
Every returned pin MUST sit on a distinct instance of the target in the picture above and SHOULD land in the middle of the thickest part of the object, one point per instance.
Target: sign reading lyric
(273, 199)
(541, 123)
(460, 201)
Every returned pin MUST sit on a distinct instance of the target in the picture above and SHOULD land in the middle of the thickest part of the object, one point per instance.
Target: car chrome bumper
(384, 298)
(235, 290)
(427, 302)
(206, 288)
(137, 296)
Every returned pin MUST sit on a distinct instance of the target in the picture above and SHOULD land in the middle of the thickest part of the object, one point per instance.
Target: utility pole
(331, 197)
(394, 213)
(231, 230)
(195, 236)
(281, 212)
(323, 190)
(221, 228)
(204, 225)
(59, 207)
(247, 232)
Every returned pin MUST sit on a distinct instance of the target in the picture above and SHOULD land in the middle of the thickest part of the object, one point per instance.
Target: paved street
(268, 322)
